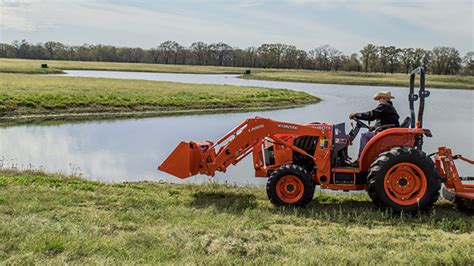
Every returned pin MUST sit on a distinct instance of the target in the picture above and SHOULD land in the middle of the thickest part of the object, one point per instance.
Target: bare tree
(199, 50)
(221, 51)
(154, 54)
(169, 50)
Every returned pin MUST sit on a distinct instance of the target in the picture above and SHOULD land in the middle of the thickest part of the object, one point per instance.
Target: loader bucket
(185, 159)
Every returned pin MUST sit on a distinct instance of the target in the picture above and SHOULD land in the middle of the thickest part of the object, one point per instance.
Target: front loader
(295, 158)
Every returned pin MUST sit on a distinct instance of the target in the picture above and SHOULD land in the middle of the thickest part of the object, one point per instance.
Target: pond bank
(32, 98)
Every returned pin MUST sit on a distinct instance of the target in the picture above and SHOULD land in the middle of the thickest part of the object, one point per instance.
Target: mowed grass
(371, 79)
(28, 66)
(56, 220)
(24, 97)
(349, 78)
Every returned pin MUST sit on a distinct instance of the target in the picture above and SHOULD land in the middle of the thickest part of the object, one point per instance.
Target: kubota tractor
(297, 157)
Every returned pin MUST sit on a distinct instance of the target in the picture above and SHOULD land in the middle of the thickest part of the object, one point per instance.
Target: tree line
(372, 58)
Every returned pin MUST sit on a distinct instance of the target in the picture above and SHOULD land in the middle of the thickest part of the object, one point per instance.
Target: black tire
(385, 161)
(299, 174)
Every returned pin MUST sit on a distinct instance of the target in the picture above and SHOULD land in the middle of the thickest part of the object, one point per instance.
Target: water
(130, 150)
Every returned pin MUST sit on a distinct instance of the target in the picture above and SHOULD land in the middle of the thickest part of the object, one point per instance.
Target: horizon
(242, 23)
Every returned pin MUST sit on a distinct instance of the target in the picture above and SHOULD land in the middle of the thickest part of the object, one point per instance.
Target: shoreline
(66, 118)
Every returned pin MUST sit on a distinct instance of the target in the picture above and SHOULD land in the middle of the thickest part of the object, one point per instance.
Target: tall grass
(53, 219)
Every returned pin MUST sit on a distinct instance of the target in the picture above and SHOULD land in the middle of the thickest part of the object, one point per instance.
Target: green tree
(369, 56)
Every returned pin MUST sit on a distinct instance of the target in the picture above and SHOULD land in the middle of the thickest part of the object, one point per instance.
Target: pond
(130, 150)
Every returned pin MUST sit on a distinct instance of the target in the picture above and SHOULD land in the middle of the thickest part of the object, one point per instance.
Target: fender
(384, 141)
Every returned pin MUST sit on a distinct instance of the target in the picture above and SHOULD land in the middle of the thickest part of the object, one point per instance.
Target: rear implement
(456, 188)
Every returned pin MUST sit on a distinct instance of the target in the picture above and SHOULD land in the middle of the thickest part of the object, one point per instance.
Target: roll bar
(412, 97)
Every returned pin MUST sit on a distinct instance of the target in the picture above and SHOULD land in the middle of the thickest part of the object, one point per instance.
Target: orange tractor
(297, 157)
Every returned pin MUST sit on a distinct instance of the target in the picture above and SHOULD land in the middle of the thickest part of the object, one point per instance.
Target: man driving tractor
(296, 158)
(384, 113)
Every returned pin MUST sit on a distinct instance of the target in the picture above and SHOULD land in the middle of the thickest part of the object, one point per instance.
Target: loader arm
(192, 158)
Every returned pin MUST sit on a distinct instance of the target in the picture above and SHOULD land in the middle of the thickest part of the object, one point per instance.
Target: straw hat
(383, 94)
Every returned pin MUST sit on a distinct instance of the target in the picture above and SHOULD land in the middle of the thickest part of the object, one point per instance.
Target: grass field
(353, 78)
(26, 98)
(56, 220)
(33, 67)
(371, 79)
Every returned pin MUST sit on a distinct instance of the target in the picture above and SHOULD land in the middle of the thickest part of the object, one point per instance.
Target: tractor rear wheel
(404, 179)
(290, 185)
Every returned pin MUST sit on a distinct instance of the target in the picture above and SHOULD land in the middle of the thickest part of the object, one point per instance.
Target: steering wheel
(361, 124)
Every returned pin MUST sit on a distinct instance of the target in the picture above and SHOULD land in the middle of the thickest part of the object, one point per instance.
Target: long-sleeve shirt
(384, 113)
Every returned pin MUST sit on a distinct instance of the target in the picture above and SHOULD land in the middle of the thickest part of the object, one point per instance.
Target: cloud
(14, 15)
(448, 17)
(238, 22)
(453, 17)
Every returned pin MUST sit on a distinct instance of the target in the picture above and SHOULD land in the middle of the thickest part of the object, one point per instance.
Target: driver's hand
(352, 115)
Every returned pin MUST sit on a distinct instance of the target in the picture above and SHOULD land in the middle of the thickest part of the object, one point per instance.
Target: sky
(307, 24)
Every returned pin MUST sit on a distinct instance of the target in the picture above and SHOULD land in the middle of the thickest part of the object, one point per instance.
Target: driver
(384, 113)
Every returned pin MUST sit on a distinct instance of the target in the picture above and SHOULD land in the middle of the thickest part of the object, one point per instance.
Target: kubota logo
(287, 127)
(257, 127)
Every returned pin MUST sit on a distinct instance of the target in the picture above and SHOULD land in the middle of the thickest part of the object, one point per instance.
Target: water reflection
(129, 150)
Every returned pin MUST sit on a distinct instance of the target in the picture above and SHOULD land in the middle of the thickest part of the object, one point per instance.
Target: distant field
(33, 67)
(371, 79)
(49, 219)
(353, 78)
(27, 98)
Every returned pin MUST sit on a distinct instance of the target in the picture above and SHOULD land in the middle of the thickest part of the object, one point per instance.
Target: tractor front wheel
(404, 179)
(290, 185)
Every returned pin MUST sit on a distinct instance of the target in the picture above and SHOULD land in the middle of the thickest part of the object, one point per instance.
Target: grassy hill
(51, 219)
(25, 98)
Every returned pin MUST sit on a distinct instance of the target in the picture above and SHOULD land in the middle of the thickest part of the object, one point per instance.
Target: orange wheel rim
(405, 184)
(290, 189)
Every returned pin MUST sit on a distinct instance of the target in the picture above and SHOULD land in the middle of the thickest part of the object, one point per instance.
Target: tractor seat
(406, 122)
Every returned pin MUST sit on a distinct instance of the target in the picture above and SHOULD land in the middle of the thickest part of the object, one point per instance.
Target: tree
(336, 58)
(289, 56)
(53, 48)
(302, 59)
(221, 51)
(421, 57)
(383, 57)
(468, 64)
(407, 58)
(445, 60)
(441, 60)
(169, 50)
(369, 56)
(393, 58)
(199, 50)
(251, 55)
(154, 54)
(321, 57)
(264, 55)
(352, 63)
